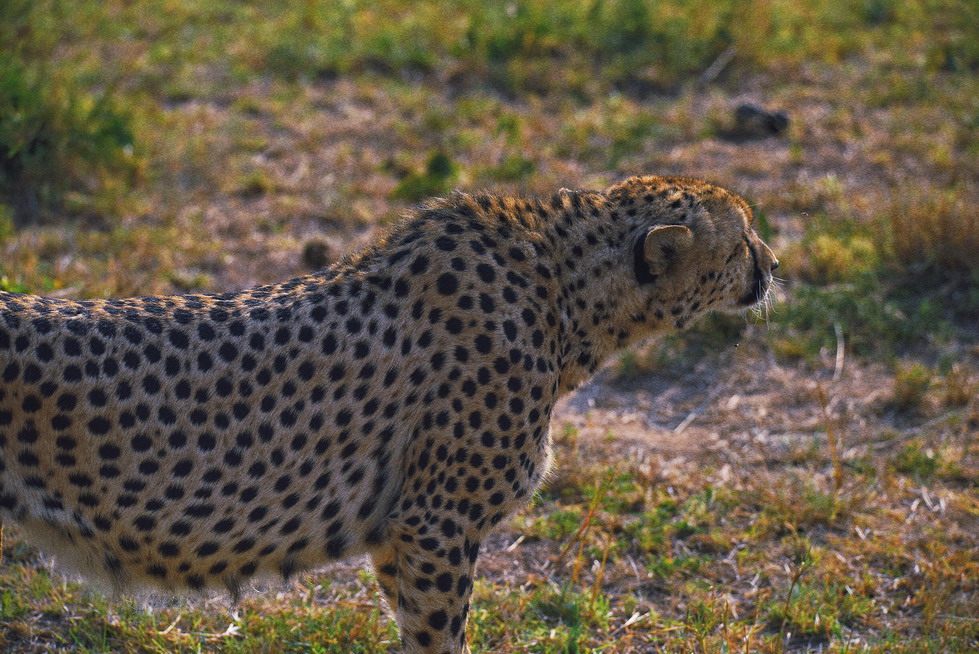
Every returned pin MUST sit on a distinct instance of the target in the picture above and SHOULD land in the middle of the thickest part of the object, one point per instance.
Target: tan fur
(395, 404)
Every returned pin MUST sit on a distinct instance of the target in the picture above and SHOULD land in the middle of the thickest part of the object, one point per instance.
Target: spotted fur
(395, 404)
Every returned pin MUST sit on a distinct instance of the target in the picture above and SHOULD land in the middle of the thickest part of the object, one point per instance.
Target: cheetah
(395, 404)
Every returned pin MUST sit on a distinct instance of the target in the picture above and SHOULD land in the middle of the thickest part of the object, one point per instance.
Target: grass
(821, 495)
(56, 135)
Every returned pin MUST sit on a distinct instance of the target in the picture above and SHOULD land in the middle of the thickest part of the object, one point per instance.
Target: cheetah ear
(663, 245)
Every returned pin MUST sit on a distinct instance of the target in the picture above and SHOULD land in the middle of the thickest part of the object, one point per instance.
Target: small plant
(937, 229)
(12, 286)
(766, 230)
(816, 611)
(916, 461)
(911, 384)
(7, 227)
(54, 136)
(628, 367)
(876, 12)
(958, 389)
(513, 168)
(665, 567)
(558, 525)
(801, 561)
(832, 259)
(437, 179)
(295, 58)
(255, 184)
(568, 436)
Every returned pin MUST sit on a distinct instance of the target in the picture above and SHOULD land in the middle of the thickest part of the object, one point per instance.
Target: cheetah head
(693, 246)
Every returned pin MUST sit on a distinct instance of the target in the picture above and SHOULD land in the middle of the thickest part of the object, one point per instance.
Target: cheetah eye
(738, 247)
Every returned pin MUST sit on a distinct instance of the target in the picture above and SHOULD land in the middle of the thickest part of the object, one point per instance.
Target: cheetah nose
(774, 264)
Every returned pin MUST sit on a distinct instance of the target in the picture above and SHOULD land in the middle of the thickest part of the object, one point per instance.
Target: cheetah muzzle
(396, 403)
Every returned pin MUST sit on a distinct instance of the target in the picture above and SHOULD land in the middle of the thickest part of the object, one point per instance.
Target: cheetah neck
(591, 249)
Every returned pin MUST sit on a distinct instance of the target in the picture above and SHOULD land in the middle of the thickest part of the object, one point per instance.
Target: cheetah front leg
(434, 567)
(455, 490)
(385, 561)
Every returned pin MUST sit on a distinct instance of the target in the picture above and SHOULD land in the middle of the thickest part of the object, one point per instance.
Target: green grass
(56, 135)
(436, 179)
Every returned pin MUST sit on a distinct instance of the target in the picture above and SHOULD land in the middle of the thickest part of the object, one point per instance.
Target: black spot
(484, 344)
(168, 550)
(306, 370)
(108, 452)
(141, 443)
(207, 549)
(178, 338)
(438, 620)
(453, 325)
(486, 303)
(335, 546)
(228, 351)
(144, 523)
(447, 284)
(486, 273)
(419, 265)
(151, 384)
(223, 526)
(99, 426)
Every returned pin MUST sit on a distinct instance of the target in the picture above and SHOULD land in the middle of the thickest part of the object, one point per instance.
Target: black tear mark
(758, 281)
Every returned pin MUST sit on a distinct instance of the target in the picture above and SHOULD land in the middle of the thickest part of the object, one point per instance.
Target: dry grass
(941, 230)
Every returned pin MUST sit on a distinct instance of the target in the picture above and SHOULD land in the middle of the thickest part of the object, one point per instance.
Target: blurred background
(800, 480)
